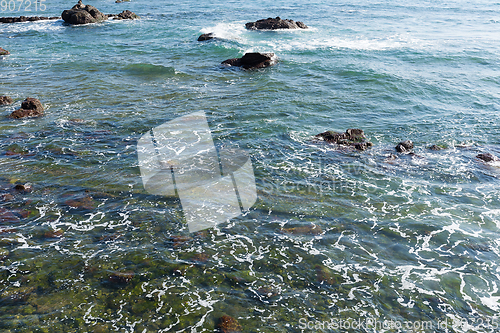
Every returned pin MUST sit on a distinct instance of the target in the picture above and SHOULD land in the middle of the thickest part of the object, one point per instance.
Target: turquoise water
(335, 234)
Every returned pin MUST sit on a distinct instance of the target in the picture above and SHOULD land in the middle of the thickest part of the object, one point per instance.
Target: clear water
(335, 234)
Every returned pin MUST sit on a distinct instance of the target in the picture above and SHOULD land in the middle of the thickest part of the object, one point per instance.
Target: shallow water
(335, 234)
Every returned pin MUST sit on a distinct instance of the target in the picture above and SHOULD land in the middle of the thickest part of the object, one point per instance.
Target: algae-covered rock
(82, 203)
(325, 275)
(228, 324)
(14, 295)
(4, 253)
(121, 278)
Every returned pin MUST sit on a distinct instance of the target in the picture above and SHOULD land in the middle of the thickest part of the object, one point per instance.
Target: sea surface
(394, 242)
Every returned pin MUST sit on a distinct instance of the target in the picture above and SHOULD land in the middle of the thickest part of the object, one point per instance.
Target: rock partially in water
(26, 19)
(83, 203)
(125, 15)
(228, 324)
(353, 137)
(5, 100)
(83, 14)
(404, 146)
(23, 188)
(252, 60)
(436, 147)
(205, 37)
(4, 52)
(30, 108)
(275, 23)
(8, 216)
(487, 157)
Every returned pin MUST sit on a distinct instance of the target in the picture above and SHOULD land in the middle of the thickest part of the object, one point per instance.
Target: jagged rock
(5, 100)
(354, 137)
(30, 107)
(404, 146)
(487, 157)
(228, 324)
(275, 23)
(4, 52)
(436, 147)
(26, 19)
(205, 37)
(83, 14)
(252, 60)
(126, 15)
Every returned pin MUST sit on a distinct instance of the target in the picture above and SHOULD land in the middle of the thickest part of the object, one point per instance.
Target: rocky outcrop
(352, 137)
(30, 108)
(404, 146)
(125, 15)
(5, 100)
(252, 60)
(487, 157)
(83, 14)
(274, 23)
(26, 19)
(205, 37)
(4, 52)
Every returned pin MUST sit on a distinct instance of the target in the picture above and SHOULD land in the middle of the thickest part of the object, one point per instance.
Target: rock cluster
(274, 23)
(30, 108)
(83, 14)
(252, 60)
(352, 137)
(125, 15)
(5, 100)
(205, 37)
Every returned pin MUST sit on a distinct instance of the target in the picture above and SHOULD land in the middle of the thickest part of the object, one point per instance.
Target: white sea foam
(38, 26)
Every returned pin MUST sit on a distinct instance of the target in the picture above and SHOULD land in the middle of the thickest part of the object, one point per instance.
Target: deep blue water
(335, 233)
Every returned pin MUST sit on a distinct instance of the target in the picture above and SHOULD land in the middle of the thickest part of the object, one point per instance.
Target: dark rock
(5, 100)
(352, 137)
(404, 146)
(228, 324)
(275, 23)
(126, 15)
(83, 14)
(31, 107)
(23, 188)
(252, 60)
(120, 1)
(205, 37)
(3, 52)
(487, 157)
(119, 278)
(26, 19)
(436, 147)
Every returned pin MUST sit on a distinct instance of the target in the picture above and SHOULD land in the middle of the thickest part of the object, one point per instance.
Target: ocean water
(405, 244)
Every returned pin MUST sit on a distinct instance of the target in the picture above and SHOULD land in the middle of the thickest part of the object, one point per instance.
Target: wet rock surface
(487, 157)
(404, 146)
(30, 108)
(353, 137)
(275, 23)
(205, 37)
(253, 60)
(5, 100)
(3, 52)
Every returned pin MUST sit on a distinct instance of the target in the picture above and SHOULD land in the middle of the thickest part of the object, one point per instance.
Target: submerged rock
(404, 146)
(30, 108)
(23, 188)
(83, 14)
(4, 253)
(4, 52)
(436, 147)
(5, 100)
(83, 203)
(121, 278)
(487, 157)
(252, 60)
(205, 37)
(275, 23)
(8, 216)
(324, 275)
(352, 137)
(228, 324)
(306, 230)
